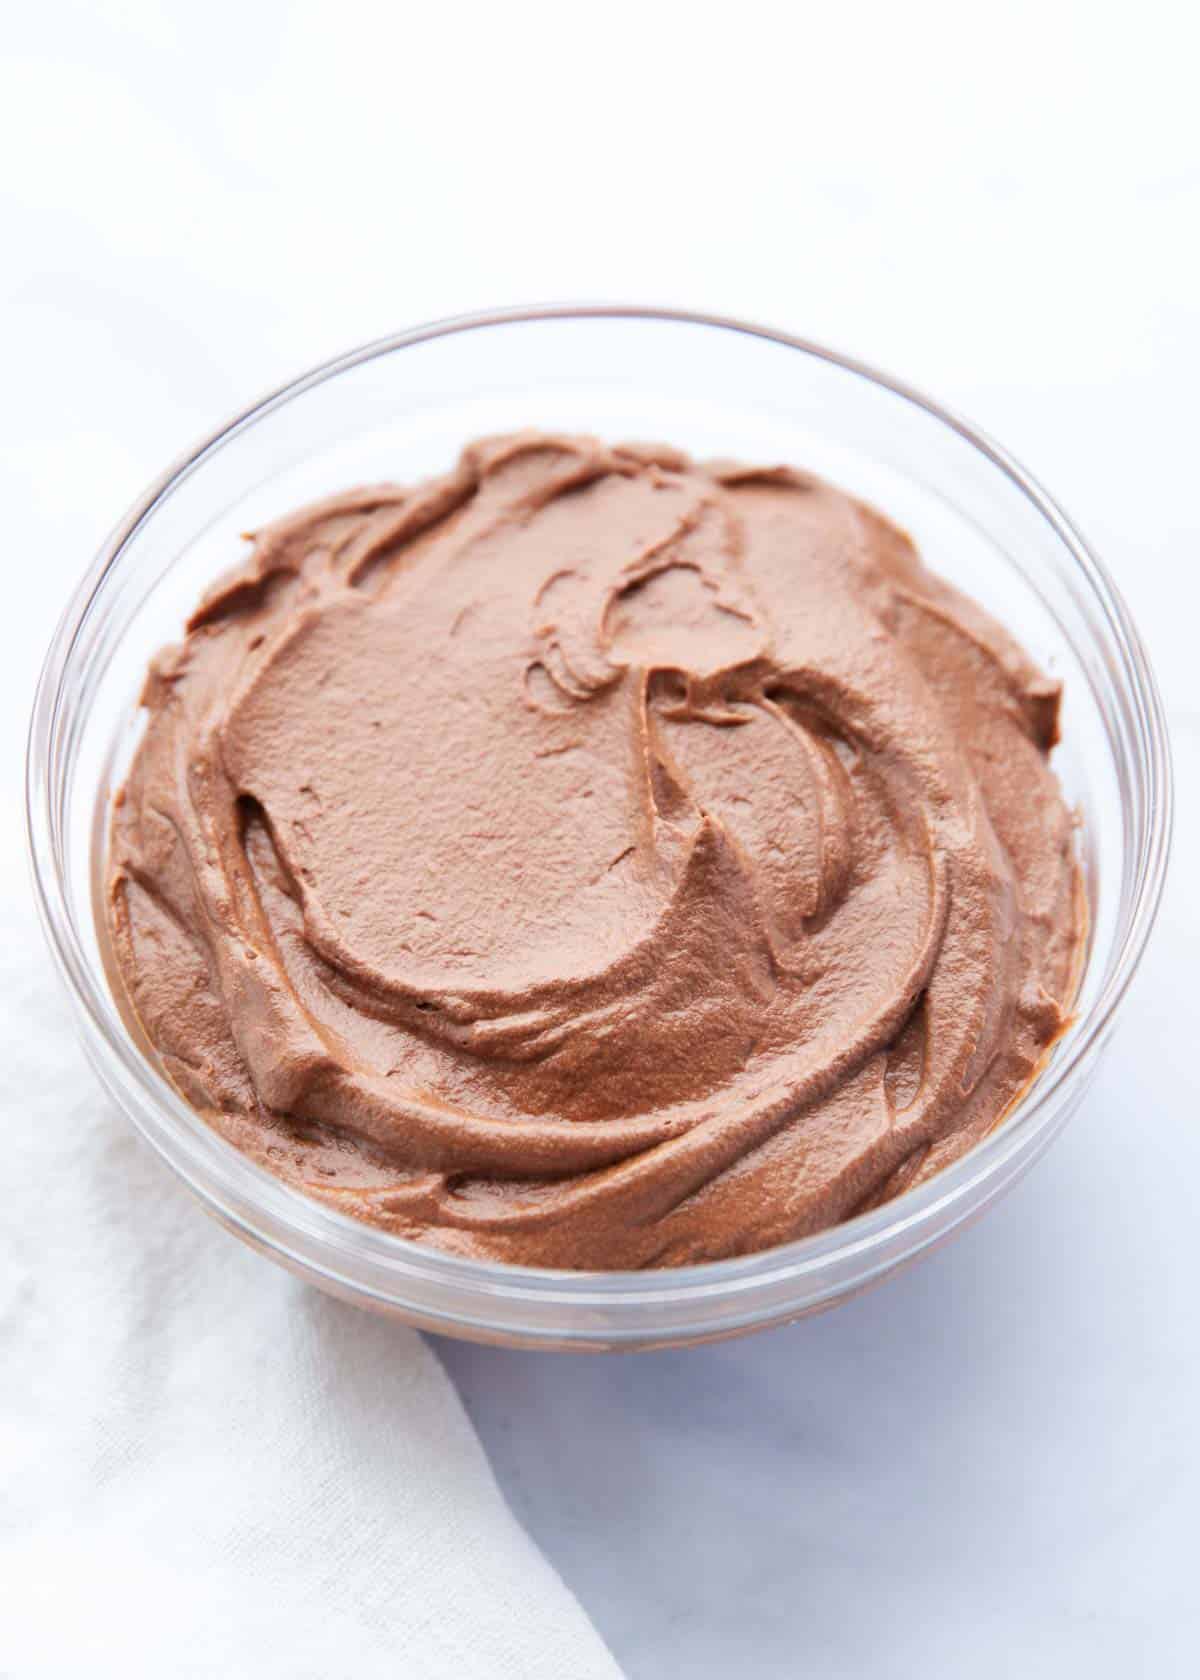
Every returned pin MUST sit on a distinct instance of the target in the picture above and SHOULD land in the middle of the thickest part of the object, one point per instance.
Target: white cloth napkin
(206, 1467)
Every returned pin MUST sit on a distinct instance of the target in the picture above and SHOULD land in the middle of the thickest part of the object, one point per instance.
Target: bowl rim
(338, 1235)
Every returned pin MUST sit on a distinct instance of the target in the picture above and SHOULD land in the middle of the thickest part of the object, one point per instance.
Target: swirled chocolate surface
(595, 859)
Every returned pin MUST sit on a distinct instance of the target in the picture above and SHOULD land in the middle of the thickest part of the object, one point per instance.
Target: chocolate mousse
(592, 858)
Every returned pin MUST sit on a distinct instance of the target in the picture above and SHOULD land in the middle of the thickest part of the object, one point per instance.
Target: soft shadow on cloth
(205, 1466)
(791, 1472)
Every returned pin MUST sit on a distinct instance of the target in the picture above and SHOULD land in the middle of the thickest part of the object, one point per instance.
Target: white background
(990, 1465)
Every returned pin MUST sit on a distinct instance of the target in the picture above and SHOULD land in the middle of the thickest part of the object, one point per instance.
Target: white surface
(990, 1465)
(207, 1469)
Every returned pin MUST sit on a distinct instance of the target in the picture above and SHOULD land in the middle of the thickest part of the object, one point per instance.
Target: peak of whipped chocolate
(595, 859)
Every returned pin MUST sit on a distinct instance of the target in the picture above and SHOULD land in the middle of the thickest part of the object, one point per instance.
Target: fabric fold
(206, 1467)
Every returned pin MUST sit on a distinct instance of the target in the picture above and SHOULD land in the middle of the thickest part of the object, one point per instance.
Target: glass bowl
(400, 409)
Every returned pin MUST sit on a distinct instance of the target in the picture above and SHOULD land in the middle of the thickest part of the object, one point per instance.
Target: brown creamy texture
(595, 859)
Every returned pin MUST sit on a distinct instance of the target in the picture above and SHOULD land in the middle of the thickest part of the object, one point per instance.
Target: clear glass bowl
(401, 408)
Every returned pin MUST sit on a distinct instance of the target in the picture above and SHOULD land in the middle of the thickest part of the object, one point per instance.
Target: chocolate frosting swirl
(594, 859)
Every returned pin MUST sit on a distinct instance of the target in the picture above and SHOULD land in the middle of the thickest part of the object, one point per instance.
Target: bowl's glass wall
(403, 410)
